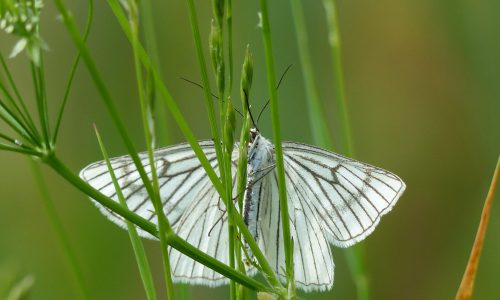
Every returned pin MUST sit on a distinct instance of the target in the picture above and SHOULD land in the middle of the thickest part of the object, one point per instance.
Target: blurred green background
(423, 89)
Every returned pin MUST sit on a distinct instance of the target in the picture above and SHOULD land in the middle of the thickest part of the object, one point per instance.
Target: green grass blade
(319, 127)
(271, 80)
(150, 44)
(338, 77)
(354, 255)
(37, 71)
(229, 21)
(140, 253)
(163, 224)
(204, 79)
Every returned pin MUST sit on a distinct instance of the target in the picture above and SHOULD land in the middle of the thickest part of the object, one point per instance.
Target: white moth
(332, 200)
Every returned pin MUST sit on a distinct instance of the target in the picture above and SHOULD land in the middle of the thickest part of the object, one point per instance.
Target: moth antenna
(277, 87)
(201, 87)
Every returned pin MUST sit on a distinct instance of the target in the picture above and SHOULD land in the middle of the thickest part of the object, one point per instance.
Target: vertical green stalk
(338, 77)
(150, 44)
(319, 127)
(140, 253)
(229, 144)
(245, 85)
(229, 21)
(271, 81)
(58, 227)
(216, 43)
(163, 226)
(354, 255)
(204, 78)
(241, 179)
(41, 98)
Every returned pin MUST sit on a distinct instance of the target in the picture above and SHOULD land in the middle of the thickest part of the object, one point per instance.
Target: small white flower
(21, 18)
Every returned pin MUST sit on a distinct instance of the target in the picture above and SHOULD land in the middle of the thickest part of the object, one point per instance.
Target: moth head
(253, 134)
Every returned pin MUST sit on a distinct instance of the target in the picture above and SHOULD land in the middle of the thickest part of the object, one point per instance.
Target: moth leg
(221, 218)
(266, 169)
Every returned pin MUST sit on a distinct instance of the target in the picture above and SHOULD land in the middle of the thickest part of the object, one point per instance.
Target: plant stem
(204, 78)
(467, 285)
(150, 44)
(217, 266)
(140, 253)
(271, 80)
(13, 122)
(338, 77)
(163, 224)
(90, 15)
(23, 114)
(229, 21)
(83, 186)
(319, 127)
(41, 99)
(354, 255)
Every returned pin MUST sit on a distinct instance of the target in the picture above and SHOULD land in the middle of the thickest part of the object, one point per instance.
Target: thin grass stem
(17, 149)
(354, 255)
(41, 100)
(219, 267)
(271, 80)
(69, 84)
(229, 22)
(216, 45)
(338, 77)
(163, 224)
(137, 246)
(150, 44)
(204, 78)
(319, 127)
